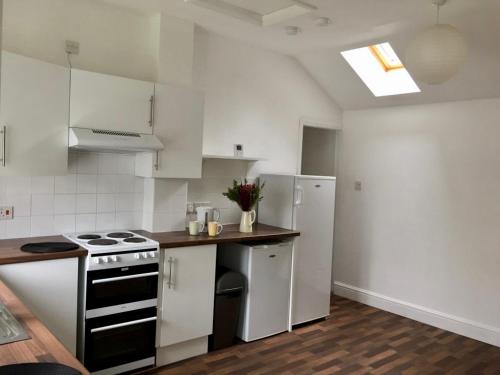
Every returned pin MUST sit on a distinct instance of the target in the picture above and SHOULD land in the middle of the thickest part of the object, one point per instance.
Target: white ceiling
(358, 23)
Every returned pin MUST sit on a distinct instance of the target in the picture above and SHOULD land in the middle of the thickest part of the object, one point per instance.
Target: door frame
(310, 123)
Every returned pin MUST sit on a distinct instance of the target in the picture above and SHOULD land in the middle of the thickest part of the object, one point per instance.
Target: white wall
(256, 97)
(424, 230)
(112, 40)
(100, 192)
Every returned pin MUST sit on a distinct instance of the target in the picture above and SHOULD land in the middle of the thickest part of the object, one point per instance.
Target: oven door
(122, 289)
(125, 341)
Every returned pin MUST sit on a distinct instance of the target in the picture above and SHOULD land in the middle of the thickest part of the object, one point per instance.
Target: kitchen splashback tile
(21, 203)
(100, 192)
(86, 183)
(18, 227)
(106, 221)
(85, 222)
(65, 223)
(42, 184)
(65, 184)
(42, 226)
(106, 183)
(42, 204)
(106, 203)
(64, 204)
(86, 203)
(18, 185)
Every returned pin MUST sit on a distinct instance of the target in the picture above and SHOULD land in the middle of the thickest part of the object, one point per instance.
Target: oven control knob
(105, 259)
(97, 260)
(137, 256)
(145, 255)
(152, 254)
(114, 258)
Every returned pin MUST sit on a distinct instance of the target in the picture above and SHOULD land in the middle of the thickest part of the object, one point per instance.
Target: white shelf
(225, 157)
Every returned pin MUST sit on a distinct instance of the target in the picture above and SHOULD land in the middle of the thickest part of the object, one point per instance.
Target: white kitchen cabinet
(179, 126)
(49, 289)
(34, 111)
(187, 294)
(106, 102)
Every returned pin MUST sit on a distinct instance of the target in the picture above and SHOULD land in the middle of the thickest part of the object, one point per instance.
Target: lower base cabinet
(187, 302)
(49, 289)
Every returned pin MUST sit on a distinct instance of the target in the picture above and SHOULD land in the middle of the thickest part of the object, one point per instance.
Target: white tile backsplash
(42, 185)
(18, 185)
(64, 223)
(64, 204)
(106, 203)
(18, 227)
(100, 192)
(42, 225)
(42, 204)
(106, 221)
(21, 203)
(86, 183)
(106, 183)
(86, 222)
(65, 184)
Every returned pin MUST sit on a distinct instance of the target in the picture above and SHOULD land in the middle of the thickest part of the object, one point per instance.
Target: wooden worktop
(42, 345)
(230, 233)
(10, 250)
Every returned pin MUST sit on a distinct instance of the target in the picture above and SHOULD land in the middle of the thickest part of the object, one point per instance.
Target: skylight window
(380, 68)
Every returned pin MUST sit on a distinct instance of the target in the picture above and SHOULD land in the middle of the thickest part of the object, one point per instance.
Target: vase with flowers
(246, 196)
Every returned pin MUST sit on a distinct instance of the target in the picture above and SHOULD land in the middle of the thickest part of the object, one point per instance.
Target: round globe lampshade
(437, 54)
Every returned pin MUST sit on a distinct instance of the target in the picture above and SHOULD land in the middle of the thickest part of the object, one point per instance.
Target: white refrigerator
(306, 204)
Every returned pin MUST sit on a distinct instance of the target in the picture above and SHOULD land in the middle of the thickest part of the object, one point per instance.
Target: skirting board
(181, 351)
(461, 326)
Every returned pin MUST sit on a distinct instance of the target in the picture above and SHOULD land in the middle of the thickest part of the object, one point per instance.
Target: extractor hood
(112, 141)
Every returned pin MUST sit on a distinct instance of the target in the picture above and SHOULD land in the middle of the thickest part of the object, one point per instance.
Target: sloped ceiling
(357, 23)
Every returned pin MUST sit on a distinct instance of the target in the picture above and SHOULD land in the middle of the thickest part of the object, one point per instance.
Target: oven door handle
(119, 325)
(128, 277)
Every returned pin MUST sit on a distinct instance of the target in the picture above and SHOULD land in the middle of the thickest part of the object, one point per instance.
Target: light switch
(6, 213)
(357, 185)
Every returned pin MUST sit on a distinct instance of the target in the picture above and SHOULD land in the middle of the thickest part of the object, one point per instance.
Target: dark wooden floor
(357, 339)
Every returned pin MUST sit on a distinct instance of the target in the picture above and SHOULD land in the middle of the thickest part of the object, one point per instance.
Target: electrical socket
(72, 47)
(6, 213)
(357, 186)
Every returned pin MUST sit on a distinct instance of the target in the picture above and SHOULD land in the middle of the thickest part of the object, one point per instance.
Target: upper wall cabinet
(34, 114)
(101, 101)
(179, 126)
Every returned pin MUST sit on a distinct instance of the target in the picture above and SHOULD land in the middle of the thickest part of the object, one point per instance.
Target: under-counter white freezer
(266, 301)
(306, 204)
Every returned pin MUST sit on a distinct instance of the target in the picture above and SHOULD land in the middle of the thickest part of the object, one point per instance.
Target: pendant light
(438, 53)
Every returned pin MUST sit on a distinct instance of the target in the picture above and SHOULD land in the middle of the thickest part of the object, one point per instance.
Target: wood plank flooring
(357, 339)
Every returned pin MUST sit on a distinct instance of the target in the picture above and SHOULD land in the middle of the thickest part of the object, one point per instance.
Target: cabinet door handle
(151, 110)
(3, 132)
(170, 283)
(157, 161)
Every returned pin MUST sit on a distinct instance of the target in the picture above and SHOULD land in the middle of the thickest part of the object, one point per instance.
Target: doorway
(318, 151)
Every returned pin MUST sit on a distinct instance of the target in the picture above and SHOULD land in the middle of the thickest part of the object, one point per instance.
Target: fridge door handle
(299, 195)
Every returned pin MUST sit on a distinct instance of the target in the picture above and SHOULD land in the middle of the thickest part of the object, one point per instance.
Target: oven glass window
(107, 347)
(121, 285)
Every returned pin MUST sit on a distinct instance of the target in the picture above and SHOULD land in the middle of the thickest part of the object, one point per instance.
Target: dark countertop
(10, 250)
(230, 233)
(42, 345)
